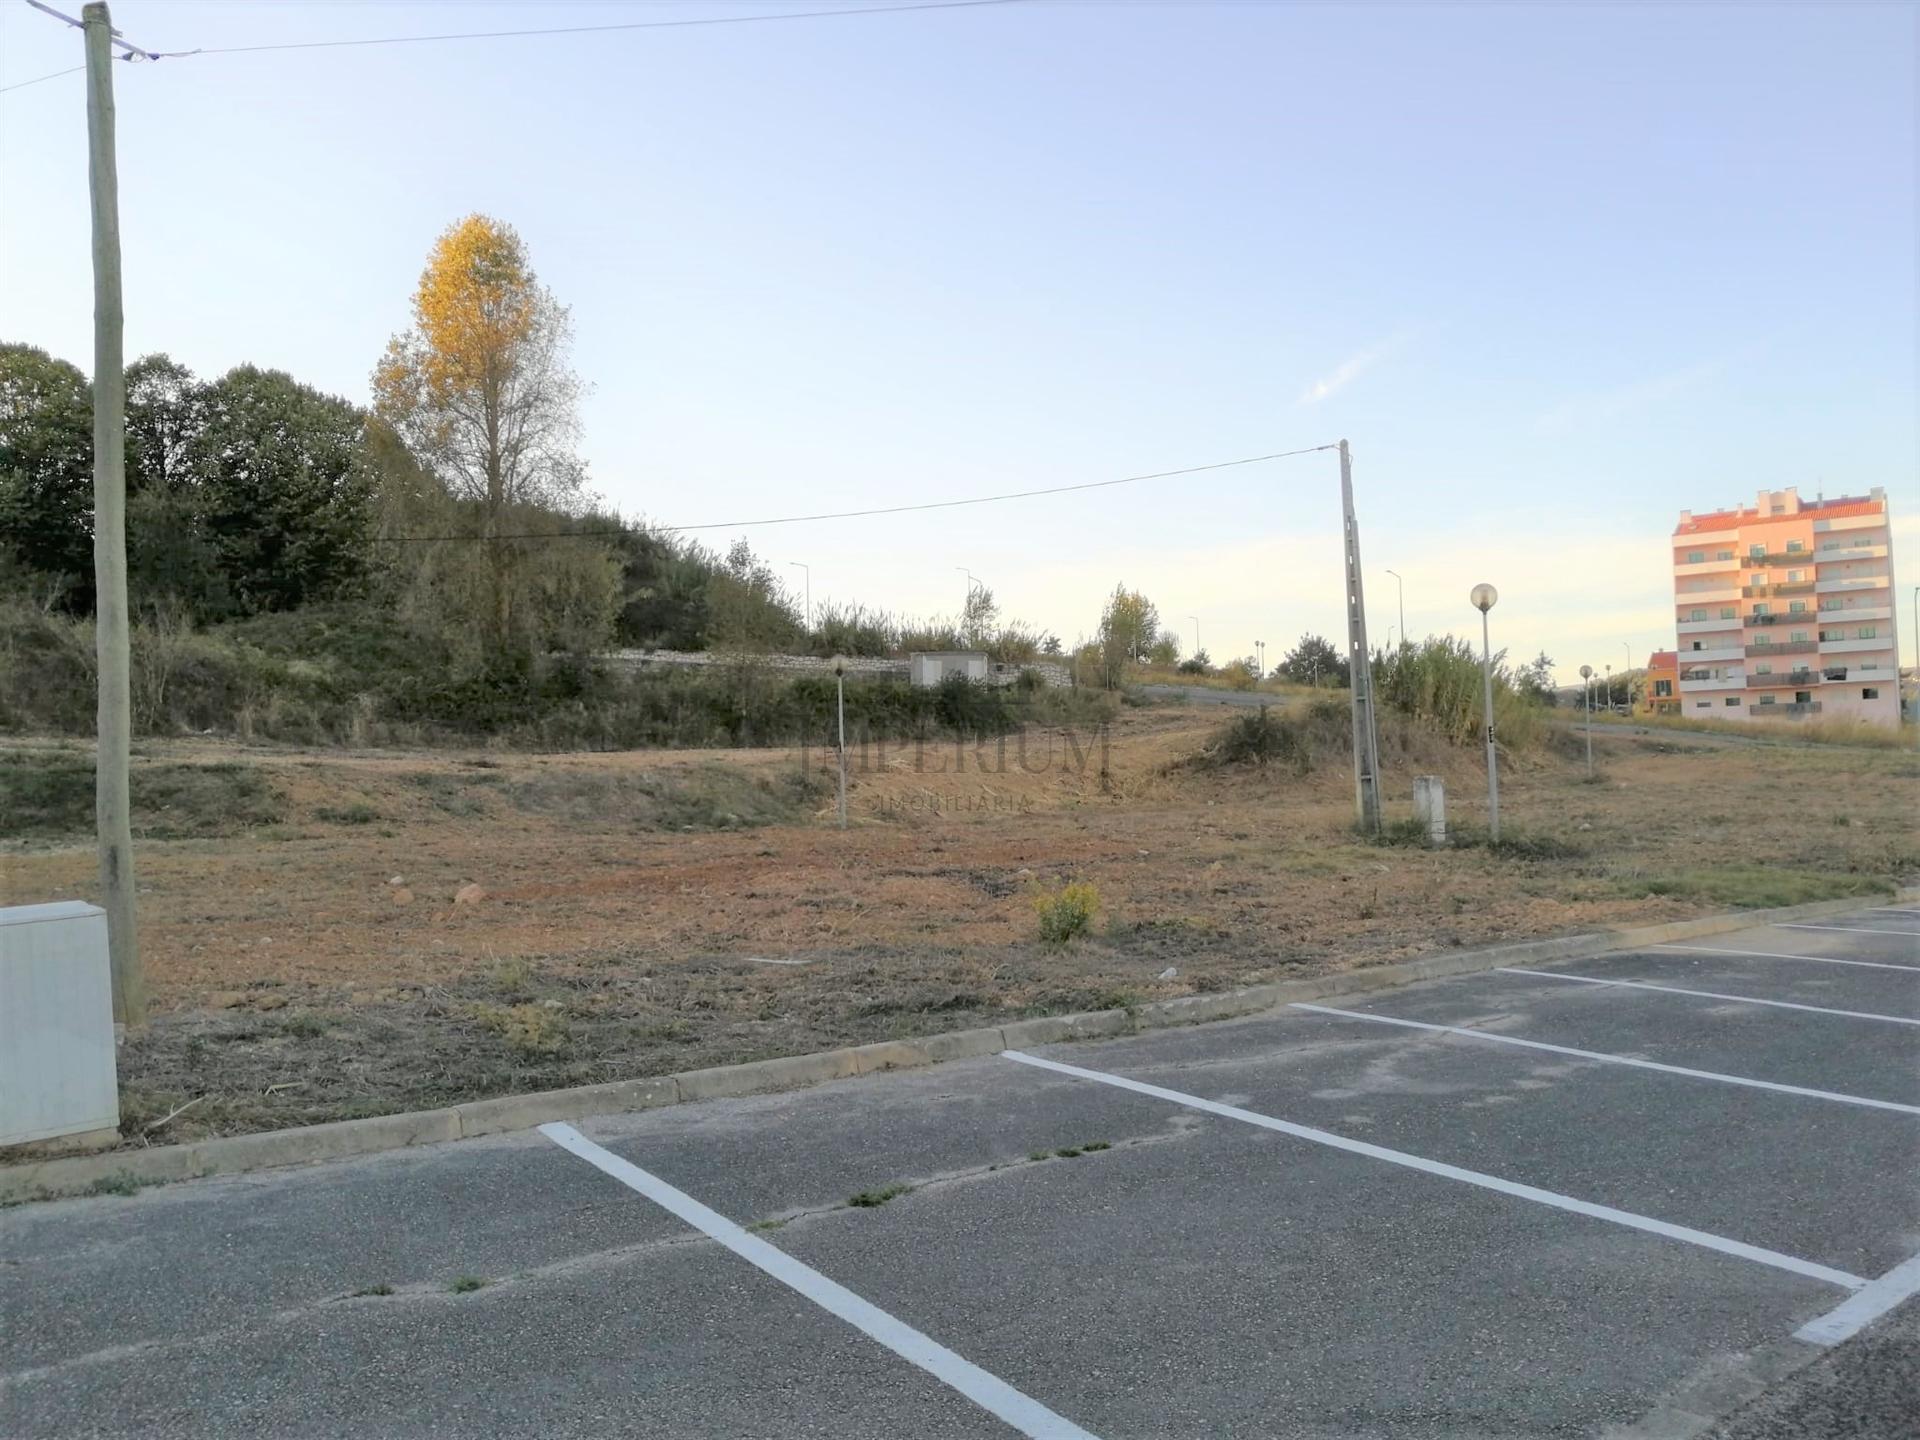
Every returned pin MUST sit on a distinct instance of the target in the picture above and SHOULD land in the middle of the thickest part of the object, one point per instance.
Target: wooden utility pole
(110, 534)
(1366, 741)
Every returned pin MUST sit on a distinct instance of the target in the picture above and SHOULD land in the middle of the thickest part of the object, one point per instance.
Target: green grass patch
(1754, 887)
(467, 1284)
(49, 795)
(874, 1199)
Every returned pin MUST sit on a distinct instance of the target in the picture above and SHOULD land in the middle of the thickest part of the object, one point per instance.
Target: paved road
(1304, 1224)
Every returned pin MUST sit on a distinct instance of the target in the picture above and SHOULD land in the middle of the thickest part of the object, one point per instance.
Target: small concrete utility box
(930, 667)
(1430, 807)
(56, 1023)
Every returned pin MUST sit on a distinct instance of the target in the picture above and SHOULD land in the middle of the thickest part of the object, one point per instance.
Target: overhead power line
(609, 532)
(691, 22)
(23, 84)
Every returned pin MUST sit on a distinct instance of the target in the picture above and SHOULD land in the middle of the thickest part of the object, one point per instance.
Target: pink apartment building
(1786, 610)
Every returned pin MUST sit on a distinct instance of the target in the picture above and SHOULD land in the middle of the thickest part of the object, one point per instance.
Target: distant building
(1662, 693)
(930, 667)
(1785, 610)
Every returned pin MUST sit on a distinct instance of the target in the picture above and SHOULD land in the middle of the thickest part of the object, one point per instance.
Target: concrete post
(1430, 807)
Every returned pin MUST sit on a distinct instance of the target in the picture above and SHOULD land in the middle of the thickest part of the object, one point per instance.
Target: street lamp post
(839, 664)
(1627, 645)
(1401, 586)
(807, 570)
(1586, 683)
(1483, 597)
(1609, 691)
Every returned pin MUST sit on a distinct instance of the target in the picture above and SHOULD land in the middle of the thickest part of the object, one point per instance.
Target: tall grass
(1439, 683)
(314, 677)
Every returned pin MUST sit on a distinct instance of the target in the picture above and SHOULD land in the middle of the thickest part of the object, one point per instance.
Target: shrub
(1439, 683)
(1067, 912)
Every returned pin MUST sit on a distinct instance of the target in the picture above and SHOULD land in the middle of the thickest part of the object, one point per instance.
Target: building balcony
(1777, 557)
(1763, 619)
(1703, 627)
(1833, 554)
(1705, 567)
(1857, 647)
(1785, 587)
(1833, 672)
(1783, 679)
(1719, 595)
(1801, 707)
(1709, 654)
(1698, 683)
(1848, 614)
(1784, 647)
(1853, 582)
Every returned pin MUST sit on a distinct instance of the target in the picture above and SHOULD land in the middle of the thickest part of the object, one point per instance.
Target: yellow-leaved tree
(481, 391)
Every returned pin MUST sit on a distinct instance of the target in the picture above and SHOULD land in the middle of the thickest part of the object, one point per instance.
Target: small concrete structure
(1430, 807)
(57, 1073)
(931, 667)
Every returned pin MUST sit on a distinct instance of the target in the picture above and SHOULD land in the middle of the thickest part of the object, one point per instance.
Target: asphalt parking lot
(1614, 1197)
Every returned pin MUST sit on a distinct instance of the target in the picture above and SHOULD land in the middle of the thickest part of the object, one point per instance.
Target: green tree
(164, 418)
(1129, 626)
(1314, 661)
(46, 472)
(284, 489)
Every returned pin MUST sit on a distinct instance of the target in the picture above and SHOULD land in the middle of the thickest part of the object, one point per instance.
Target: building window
(1803, 697)
(1705, 704)
(1826, 635)
(1869, 664)
(1799, 635)
(1794, 577)
(1869, 693)
(1830, 602)
(1795, 547)
(1763, 639)
(1869, 632)
(1733, 701)
(1756, 549)
(1727, 612)
(1663, 688)
(1699, 615)
(1757, 578)
(1723, 555)
(1796, 607)
(1769, 699)
(1695, 557)
(1765, 667)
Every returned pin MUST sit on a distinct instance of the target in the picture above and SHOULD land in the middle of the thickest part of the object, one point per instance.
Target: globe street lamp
(1483, 597)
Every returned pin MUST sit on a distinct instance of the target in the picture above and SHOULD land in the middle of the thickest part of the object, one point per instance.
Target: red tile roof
(1809, 510)
(1663, 660)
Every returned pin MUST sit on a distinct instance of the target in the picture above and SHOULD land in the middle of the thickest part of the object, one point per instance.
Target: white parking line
(1615, 1059)
(1864, 1306)
(1453, 1172)
(1776, 955)
(1712, 995)
(991, 1394)
(1848, 929)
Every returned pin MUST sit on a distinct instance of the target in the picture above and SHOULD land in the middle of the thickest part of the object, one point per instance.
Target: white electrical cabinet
(57, 1072)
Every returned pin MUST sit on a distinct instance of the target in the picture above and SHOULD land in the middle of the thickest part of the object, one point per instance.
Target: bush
(1439, 683)
(1067, 912)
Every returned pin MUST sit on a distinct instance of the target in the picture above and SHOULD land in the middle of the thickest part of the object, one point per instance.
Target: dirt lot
(309, 961)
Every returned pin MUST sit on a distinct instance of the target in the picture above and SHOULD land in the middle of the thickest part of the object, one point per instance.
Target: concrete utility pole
(1483, 598)
(1401, 586)
(1366, 739)
(111, 803)
(839, 666)
(1586, 684)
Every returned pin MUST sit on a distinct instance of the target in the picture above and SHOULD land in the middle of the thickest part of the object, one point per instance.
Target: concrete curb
(54, 1178)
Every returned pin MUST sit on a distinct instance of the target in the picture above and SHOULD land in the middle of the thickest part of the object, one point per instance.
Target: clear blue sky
(1557, 271)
